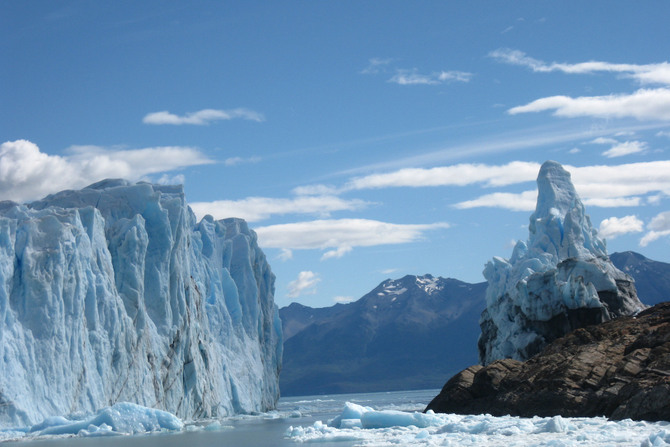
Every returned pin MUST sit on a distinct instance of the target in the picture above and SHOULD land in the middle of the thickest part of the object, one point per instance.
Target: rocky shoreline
(618, 369)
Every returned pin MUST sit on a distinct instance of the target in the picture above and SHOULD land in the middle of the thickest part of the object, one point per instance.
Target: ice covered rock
(115, 293)
(559, 280)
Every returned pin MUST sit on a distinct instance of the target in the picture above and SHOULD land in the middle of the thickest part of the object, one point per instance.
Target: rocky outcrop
(619, 369)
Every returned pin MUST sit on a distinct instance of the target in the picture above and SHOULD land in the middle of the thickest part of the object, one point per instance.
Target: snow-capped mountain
(115, 293)
(557, 281)
(406, 333)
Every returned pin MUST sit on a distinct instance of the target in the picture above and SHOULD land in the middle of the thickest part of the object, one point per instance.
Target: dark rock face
(619, 369)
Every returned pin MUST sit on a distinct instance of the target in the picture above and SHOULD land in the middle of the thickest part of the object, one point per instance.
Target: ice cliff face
(115, 293)
(559, 280)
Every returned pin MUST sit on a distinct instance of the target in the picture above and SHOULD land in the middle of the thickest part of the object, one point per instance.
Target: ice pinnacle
(559, 280)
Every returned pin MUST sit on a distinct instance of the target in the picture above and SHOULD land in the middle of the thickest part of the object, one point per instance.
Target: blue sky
(362, 140)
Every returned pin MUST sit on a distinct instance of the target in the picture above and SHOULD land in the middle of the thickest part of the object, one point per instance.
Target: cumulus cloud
(201, 117)
(615, 226)
(305, 284)
(340, 236)
(254, 209)
(413, 77)
(644, 104)
(658, 227)
(26, 173)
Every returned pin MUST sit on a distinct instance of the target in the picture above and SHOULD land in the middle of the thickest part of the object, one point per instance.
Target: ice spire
(557, 281)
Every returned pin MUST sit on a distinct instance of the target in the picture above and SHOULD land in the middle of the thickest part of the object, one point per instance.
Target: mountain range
(407, 333)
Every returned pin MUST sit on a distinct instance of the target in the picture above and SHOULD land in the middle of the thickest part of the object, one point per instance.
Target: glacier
(559, 280)
(115, 293)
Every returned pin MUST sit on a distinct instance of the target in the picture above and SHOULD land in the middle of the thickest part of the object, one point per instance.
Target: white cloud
(614, 226)
(305, 284)
(413, 77)
(254, 209)
(603, 140)
(336, 253)
(234, 161)
(602, 186)
(201, 117)
(376, 65)
(26, 173)
(285, 254)
(614, 202)
(658, 227)
(644, 74)
(167, 179)
(644, 104)
(625, 148)
(454, 175)
(524, 201)
(340, 235)
(343, 299)
(574, 150)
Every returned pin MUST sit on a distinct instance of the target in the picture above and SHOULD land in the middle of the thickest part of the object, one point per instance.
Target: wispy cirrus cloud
(621, 148)
(645, 104)
(524, 201)
(235, 161)
(455, 175)
(201, 117)
(413, 77)
(27, 173)
(600, 186)
(340, 236)
(658, 73)
(404, 76)
(255, 209)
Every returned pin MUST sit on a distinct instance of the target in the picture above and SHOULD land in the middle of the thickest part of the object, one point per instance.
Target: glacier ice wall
(115, 293)
(557, 281)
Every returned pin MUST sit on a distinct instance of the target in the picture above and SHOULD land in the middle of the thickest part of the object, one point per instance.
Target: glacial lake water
(390, 419)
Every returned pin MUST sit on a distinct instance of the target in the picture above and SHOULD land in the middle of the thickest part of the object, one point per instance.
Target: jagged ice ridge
(115, 293)
(557, 281)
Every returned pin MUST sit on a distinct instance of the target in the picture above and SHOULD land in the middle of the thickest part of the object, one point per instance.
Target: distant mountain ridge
(407, 333)
(652, 278)
(422, 330)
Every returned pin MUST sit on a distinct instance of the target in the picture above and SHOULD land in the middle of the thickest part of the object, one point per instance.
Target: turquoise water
(267, 429)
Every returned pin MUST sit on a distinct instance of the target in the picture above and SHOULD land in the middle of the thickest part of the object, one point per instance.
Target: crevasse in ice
(557, 281)
(115, 293)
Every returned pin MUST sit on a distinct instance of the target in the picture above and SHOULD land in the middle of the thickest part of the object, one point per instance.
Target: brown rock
(619, 369)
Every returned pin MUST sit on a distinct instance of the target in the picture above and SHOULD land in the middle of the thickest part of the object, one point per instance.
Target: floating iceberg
(367, 426)
(123, 418)
(559, 280)
(115, 293)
